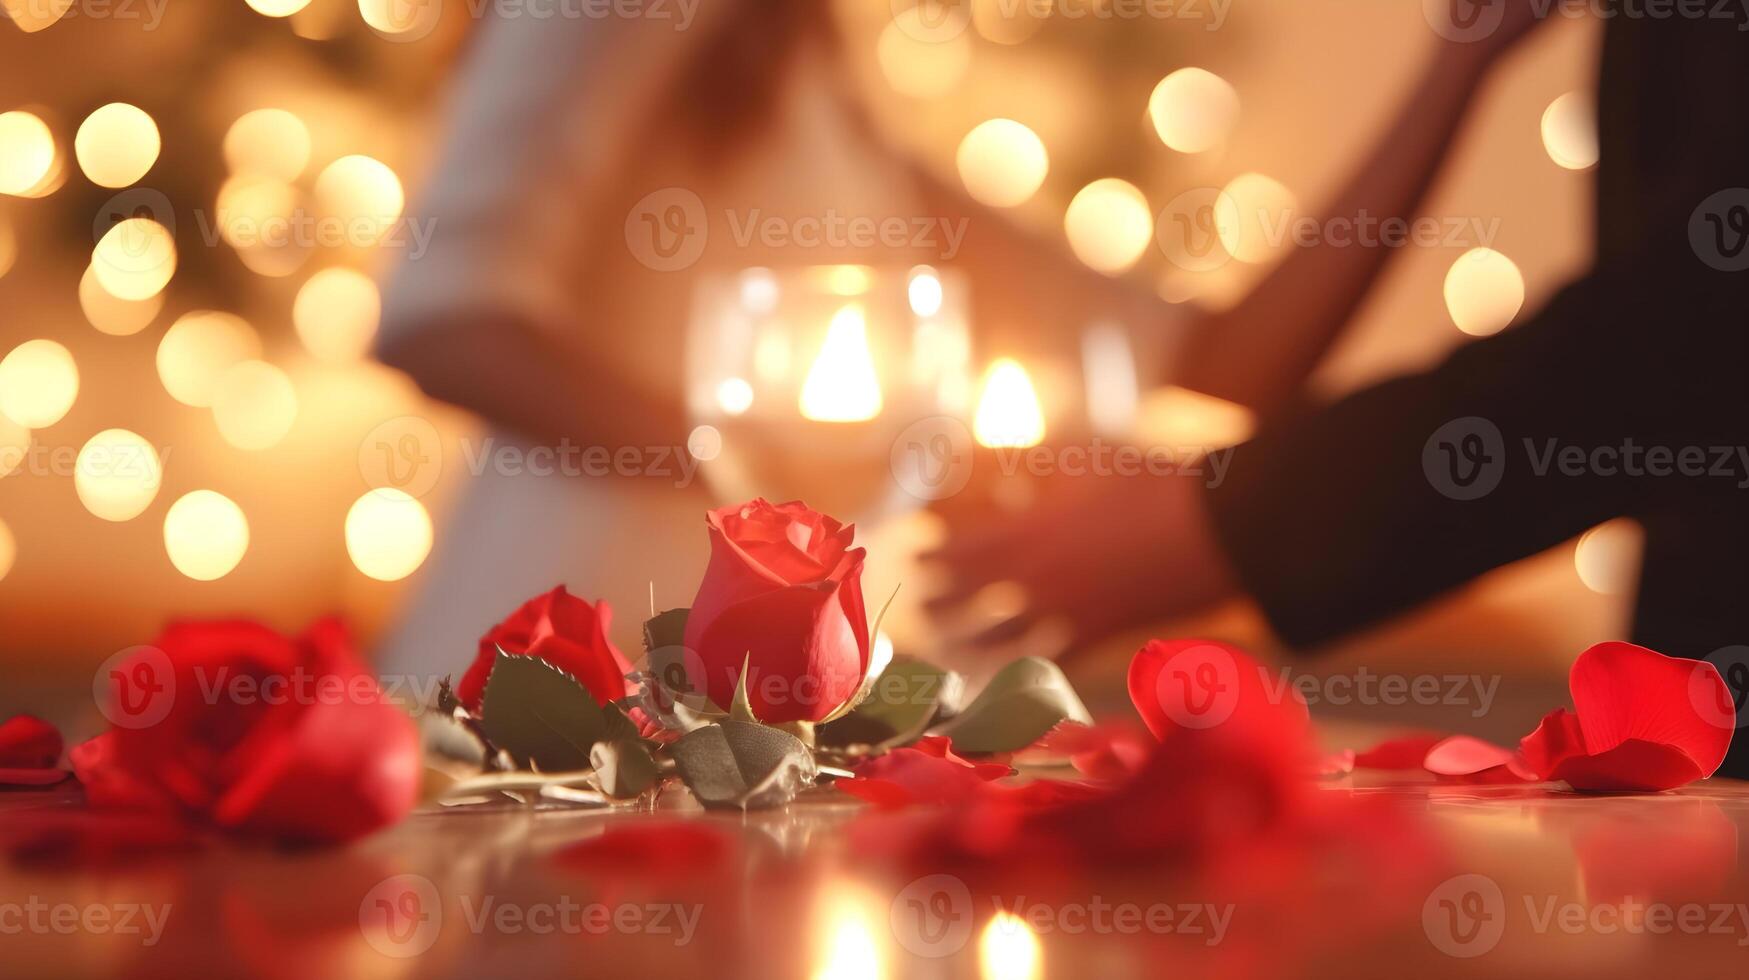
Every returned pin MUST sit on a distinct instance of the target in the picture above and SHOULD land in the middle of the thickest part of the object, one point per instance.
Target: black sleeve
(1355, 511)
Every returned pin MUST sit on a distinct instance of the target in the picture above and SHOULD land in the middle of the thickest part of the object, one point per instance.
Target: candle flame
(1008, 414)
(841, 385)
(1008, 949)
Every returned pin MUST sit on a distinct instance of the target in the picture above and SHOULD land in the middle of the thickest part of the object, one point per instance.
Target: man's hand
(1103, 553)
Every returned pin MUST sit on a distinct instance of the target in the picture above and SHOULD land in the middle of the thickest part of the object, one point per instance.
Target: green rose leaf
(902, 703)
(1021, 703)
(738, 765)
(545, 718)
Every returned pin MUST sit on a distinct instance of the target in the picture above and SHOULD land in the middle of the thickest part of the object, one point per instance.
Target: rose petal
(1336, 764)
(927, 774)
(1632, 766)
(28, 742)
(1201, 684)
(658, 849)
(1622, 692)
(1461, 757)
(1401, 753)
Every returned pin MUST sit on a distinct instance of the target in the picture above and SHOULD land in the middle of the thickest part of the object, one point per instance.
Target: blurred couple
(535, 309)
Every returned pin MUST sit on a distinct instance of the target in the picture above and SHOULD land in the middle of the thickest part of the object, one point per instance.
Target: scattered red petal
(1642, 722)
(661, 848)
(931, 772)
(1336, 764)
(1468, 759)
(1195, 684)
(1403, 753)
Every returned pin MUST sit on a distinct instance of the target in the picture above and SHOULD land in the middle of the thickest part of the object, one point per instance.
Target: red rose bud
(258, 734)
(782, 594)
(561, 629)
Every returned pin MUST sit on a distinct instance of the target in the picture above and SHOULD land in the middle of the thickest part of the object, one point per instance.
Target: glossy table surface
(1521, 881)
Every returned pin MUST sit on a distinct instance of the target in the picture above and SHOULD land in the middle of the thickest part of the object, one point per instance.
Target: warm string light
(1483, 292)
(116, 145)
(1002, 163)
(1109, 225)
(206, 535)
(117, 475)
(198, 349)
(388, 534)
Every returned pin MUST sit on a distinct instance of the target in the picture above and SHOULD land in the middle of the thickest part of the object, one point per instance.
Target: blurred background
(187, 425)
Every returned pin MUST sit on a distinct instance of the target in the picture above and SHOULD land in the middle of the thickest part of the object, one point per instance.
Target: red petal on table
(1473, 759)
(1556, 739)
(910, 776)
(1199, 684)
(1632, 766)
(1110, 752)
(60, 838)
(1336, 764)
(1623, 692)
(1403, 752)
(656, 848)
(27, 742)
(109, 784)
(32, 777)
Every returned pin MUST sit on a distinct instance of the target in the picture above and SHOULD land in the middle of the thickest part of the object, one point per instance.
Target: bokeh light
(1108, 225)
(734, 396)
(116, 144)
(1193, 110)
(841, 386)
(1009, 414)
(38, 383)
(8, 246)
(113, 315)
(1569, 129)
(1008, 949)
(277, 8)
(1483, 292)
(399, 17)
(271, 143)
(924, 292)
(336, 313)
(27, 153)
(1607, 557)
(388, 534)
(1263, 212)
(199, 348)
(34, 15)
(135, 259)
(254, 405)
(205, 534)
(1002, 163)
(363, 192)
(8, 549)
(117, 475)
(920, 59)
(15, 442)
(258, 217)
(1008, 21)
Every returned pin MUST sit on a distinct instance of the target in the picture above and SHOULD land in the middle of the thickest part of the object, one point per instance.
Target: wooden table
(1528, 882)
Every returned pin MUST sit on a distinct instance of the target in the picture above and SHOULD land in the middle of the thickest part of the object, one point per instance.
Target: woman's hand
(1101, 552)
